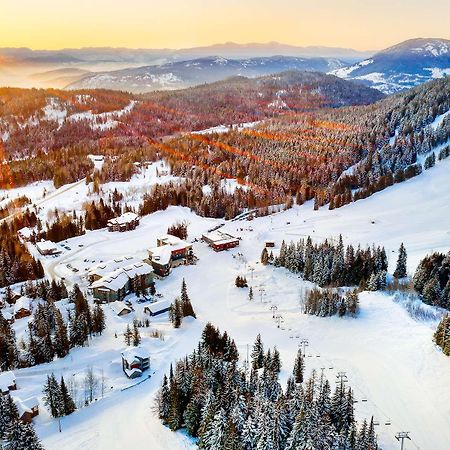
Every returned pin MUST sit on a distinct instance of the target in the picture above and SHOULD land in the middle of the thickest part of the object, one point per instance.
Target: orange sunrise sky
(360, 24)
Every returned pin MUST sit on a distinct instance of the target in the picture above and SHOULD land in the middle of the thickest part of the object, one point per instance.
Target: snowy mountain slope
(402, 66)
(181, 74)
(388, 356)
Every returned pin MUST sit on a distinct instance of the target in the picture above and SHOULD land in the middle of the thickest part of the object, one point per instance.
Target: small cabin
(135, 360)
(27, 409)
(46, 248)
(22, 308)
(7, 382)
(157, 308)
(120, 308)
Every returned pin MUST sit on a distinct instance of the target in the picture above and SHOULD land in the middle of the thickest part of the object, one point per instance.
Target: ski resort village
(254, 263)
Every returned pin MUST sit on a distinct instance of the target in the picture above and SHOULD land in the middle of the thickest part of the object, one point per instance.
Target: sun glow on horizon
(58, 24)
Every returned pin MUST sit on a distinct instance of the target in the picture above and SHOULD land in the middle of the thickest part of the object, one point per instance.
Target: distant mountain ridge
(182, 74)
(147, 55)
(402, 66)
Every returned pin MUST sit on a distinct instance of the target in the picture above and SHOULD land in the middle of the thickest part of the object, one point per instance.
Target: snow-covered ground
(225, 129)
(71, 197)
(102, 121)
(389, 357)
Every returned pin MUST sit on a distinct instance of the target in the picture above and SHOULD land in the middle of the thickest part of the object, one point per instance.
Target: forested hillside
(311, 139)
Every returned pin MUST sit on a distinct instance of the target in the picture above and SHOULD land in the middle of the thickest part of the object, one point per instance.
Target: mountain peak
(434, 47)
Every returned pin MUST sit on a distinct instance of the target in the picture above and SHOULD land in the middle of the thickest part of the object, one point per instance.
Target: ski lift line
(387, 422)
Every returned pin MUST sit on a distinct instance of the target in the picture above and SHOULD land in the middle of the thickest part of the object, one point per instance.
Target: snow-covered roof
(118, 307)
(114, 281)
(162, 254)
(6, 379)
(22, 303)
(119, 278)
(125, 218)
(7, 315)
(158, 306)
(141, 268)
(217, 237)
(167, 244)
(134, 353)
(107, 267)
(170, 239)
(26, 232)
(130, 372)
(46, 246)
(26, 405)
(173, 241)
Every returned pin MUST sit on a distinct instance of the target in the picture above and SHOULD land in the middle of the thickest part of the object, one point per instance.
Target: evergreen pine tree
(61, 340)
(8, 414)
(258, 353)
(192, 417)
(98, 320)
(264, 257)
(186, 306)
(53, 397)
(163, 401)
(128, 336)
(214, 436)
(299, 367)
(21, 436)
(400, 270)
(136, 337)
(176, 313)
(68, 403)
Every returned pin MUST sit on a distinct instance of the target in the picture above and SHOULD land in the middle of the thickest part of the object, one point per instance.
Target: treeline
(218, 203)
(442, 335)
(399, 131)
(328, 302)
(64, 227)
(330, 264)
(9, 208)
(432, 279)
(16, 263)
(302, 151)
(62, 166)
(49, 335)
(216, 401)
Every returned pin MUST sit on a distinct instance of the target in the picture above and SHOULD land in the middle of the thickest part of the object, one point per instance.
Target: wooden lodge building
(116, 285)
(22, 308)
(120, 308)
(219, 241)
(170, 252)
(27, 409)
(126, 222)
